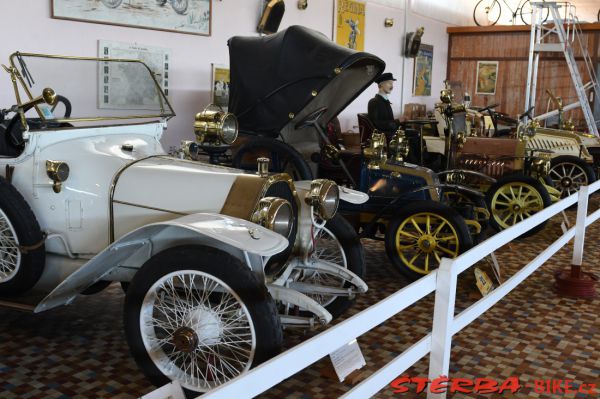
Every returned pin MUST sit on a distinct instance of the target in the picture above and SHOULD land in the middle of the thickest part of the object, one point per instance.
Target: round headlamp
(215, 126)
(324, 196)
(275, 214)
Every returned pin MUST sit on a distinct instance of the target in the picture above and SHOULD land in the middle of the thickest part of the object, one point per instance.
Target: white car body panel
(222, 231)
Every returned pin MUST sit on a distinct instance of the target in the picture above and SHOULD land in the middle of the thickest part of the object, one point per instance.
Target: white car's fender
(346, 194)
(249, 242)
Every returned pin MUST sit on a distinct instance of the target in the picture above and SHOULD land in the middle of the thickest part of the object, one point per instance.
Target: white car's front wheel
(22, 251)
(197, 315)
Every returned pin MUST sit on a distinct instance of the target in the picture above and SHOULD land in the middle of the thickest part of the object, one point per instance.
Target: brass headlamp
(530, 129)
(215, 126)
(376, 152)
(324, 196)
(399, 146)
(58, 171)
(275, 214)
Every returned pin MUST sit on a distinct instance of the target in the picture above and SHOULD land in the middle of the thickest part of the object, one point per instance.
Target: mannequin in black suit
(380, 108)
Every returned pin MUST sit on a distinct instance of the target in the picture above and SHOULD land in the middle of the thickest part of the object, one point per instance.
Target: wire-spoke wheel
(513, 199)
(526, 13)
(487, 12)
(422, 234)
(569, 173)
(335, 243)
(198, 316)
(19, 270)
(10, 255)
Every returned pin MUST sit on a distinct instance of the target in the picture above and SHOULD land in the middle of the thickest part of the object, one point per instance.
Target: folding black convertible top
(276, 80)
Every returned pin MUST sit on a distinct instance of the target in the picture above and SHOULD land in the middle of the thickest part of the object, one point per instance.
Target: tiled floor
(79, 351)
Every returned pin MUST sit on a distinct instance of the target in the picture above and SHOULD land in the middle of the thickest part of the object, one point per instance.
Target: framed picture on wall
(349, 24)
(118, 87)
(423, 71)
(183, 16)
(220, 86)
(487, 74)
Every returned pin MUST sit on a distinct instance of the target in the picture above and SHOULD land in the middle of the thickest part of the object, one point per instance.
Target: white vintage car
(215, 261)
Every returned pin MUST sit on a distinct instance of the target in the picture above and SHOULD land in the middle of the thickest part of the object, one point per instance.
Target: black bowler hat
(384, 76)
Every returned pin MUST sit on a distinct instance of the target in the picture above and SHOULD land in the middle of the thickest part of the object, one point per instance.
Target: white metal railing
(445, 323)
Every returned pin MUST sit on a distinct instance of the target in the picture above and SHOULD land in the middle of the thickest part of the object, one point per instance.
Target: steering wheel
(14, 129)
(311, 118)
(527, 113)
(489, 108)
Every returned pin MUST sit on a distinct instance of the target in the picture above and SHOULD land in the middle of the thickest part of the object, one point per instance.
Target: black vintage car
(285, 88)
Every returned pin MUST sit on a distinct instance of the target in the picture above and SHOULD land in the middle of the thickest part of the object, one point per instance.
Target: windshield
(90, 89)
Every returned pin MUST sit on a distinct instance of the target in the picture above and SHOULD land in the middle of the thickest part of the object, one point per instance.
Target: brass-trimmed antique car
(283, 108)
(215, 260)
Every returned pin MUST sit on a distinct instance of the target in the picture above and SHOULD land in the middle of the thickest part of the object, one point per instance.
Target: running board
(25, 303)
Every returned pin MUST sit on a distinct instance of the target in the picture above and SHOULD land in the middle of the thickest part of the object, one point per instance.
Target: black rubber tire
(465, 197)
(28, 233)
(279, 150)
(223, 266)
(355, 258)
(590, 175)
(535, 184)
(482, 4)
(524, 17)
(465, 241)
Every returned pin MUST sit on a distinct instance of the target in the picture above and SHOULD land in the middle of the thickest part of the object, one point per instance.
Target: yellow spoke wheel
(513, 199)
(424, 233)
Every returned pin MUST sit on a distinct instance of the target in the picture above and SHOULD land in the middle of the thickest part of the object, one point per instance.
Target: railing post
(582, 205)
(443, 316)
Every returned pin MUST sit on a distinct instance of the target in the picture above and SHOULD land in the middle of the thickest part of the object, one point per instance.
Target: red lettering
(421, 383)
(485, 385)
(510, 384)
(540, 386)
(556, 386)
(568, 386)
(462, 385)
(398, 384)
(591, 389)
(439, 385)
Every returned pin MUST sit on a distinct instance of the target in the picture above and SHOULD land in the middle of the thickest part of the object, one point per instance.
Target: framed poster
(220, 86)
(487, 73)
(183, 16)
(118, 87)
(423, 71)
(349, 24)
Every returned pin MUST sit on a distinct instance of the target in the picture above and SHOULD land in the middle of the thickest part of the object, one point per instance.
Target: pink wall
(28, 25)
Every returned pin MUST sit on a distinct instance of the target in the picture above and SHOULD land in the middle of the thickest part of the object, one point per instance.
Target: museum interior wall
(509, 45)
(192, 55)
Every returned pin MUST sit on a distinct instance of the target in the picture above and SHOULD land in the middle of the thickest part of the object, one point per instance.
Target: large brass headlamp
(376, 151)
(215, 126)
(275, 214)
(399, 146)
(324, 196)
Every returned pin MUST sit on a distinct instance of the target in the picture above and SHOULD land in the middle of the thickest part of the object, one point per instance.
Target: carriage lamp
(530, 130)
(376, 151)
(275, 214)
(58, 172)
(399, 146)
(324, 196)
(263, 167)
(446, 95)
(215, 126)
(541, 166)
(302, 4)
(461, 139)
(189, 149)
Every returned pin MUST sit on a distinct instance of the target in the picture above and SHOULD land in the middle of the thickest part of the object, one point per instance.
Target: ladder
(561, 35)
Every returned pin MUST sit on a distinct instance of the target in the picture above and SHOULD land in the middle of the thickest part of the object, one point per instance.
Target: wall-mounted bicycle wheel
(487, 12)
(527, 13)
